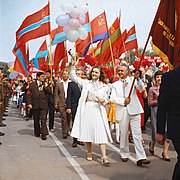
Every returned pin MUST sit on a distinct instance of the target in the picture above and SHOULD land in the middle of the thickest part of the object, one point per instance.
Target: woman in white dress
(91, 123)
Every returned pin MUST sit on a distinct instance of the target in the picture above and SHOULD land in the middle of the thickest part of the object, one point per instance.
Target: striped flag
(40, 55)
(34, 26)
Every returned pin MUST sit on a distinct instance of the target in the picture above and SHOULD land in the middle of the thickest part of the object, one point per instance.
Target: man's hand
(30, 106)
(127, 101)
(68, 111)
(56, 106)
(160, 138)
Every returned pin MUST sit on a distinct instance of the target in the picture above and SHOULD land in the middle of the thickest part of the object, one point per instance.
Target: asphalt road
(25, 157)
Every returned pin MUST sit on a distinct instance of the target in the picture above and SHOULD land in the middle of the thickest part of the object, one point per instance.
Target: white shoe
(52, 130)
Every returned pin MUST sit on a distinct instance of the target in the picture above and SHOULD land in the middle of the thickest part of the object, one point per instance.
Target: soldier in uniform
(2, 95)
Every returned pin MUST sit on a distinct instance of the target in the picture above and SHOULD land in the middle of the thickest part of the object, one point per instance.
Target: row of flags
(111, 42)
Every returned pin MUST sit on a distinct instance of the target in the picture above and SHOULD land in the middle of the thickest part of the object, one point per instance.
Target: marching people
(73, 95)
(50, 81)
(38, 102)
(91, 123)
(168, 113)
(27, 93)
(60, 97)
(128, 110)
(153, 103)
(2, 98)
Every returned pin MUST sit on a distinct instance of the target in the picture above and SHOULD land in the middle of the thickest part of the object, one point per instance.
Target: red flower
(91, 60)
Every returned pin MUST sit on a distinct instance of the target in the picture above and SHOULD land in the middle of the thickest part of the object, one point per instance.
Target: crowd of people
(90, 106)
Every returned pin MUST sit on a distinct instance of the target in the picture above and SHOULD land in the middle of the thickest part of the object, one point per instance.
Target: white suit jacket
(86, 86)
(118, 97)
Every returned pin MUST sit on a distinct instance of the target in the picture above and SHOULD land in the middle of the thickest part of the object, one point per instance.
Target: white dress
(91, 123)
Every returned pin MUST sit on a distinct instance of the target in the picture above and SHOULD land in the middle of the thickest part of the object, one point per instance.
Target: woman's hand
(101, 101)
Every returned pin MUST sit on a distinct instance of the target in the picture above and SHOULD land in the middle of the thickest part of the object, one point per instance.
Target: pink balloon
(10, 64)
(82, 20)
(74, 23)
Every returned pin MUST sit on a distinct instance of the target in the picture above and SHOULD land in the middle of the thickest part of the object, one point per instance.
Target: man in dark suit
(169, 113)
(73, 95)
(51, 99)
(38, 101)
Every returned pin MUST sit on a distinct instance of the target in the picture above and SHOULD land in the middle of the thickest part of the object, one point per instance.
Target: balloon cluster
(73, 21)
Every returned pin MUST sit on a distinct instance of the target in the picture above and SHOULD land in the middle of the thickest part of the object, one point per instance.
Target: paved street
(25, 157)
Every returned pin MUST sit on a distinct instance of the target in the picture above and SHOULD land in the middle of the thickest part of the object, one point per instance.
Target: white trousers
(134, 121)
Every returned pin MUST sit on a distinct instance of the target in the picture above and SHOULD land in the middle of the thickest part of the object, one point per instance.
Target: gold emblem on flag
(43, 13)
(101, 21)
(112, 30)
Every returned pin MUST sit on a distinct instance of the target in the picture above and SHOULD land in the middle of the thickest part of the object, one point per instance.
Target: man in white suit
(128, 110)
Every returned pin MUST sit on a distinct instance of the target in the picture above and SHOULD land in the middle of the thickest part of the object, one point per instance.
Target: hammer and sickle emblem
(101, 21)
(43, 13)
(112, 30)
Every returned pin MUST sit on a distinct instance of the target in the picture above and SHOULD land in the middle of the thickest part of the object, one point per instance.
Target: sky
(13, 12)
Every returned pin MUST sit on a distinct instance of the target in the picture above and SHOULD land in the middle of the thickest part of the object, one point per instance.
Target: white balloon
(72, 35)
(67, 28)
(67, 7)
(75, 13)
(62, 19)
(83, 34)
(74, 23)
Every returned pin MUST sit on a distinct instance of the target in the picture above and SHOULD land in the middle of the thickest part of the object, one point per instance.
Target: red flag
(40, 55)
(119, 45)
(131, 41)
(21, 61)
(99, 28)
(55, 31)
(165, 32)
(99, 31)
(34, 26)
(114, 32)
(59, 54)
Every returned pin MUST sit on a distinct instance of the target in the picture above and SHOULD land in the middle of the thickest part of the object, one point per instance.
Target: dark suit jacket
(73, 95)
(38, 99)
(169, 104)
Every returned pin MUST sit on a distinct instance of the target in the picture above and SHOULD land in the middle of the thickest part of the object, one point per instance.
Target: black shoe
(2, 125)
(151, 151)
(2, 134)
(124, 159)
(143, 161)
(43, 137)
(165, 158)
(64, 136)
(81, 143)
(0, 143)
(5, 114)
(3, 119)
(74, 144)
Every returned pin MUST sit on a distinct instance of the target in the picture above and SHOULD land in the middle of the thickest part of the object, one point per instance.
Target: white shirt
(65, 85)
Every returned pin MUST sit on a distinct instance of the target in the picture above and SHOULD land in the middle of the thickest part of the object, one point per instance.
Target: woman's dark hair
(140, 73)
(158, 73)
(102, 74)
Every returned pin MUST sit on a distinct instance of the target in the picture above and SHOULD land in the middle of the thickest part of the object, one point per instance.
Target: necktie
(123, 82)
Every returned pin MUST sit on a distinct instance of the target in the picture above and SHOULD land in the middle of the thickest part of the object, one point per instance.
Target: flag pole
(142, 55)
(50, 54)
(90, 33)
(110, 46)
